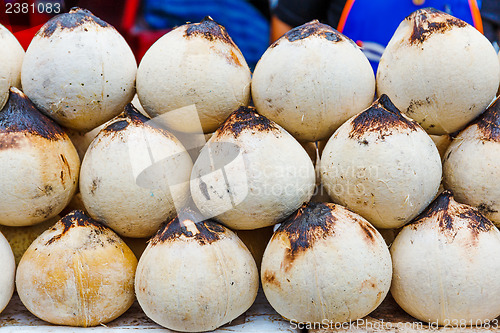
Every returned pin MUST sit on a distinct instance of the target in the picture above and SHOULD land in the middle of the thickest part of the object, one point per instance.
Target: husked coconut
(79, 70)
(446, 265)
(134, 175)
(471, 168)
(311, 80)
(195, 275)
(194, 71)
(20, 238)
(325, 263)
(40, 164)
(382, 165)
(11, 60)
(7, 273)
(251, 173)
(77, 273)
(439, 70)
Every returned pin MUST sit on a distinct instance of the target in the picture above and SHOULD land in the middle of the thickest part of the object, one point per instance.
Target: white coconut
(39, 164)
(79, 70)
(471, 167)
(7, 274)
(438, 70)
(195, 276)
(446, 265)
(11, 60)
(77, 273)
(382, 165)
(193, 75)
(325, 263)
(134, 175)
(251, 173)
(311, 80)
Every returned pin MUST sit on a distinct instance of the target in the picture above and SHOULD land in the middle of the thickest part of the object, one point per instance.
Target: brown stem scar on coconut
(429, 21)
(75, 18)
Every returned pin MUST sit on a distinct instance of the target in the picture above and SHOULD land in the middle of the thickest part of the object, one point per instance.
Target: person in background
(369, 23)
(246, 21)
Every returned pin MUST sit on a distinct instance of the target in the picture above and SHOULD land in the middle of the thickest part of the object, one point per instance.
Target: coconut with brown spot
(40, 164)
(79, 70)
(312, 80)
(470, 166)
(251, 173)
(382, 165)
(11, 60)
(195, 67)
(77, 273)
(195, 275)
(446, 265)
(134, 175)
(7, 273)
(454, 71)
(325, 263)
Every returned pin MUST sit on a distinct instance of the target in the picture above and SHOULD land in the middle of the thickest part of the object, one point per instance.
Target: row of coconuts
(326, 261)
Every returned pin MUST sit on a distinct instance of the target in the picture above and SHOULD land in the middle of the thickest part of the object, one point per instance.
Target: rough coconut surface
(11, 60)
(312, 80)
(446, 265)
(207, 73)
(251, 173)
(382, 165)
(195, 276)
(40, 164)
(134, 175)
(470, 167)
(325, 263)
(77, 273)
(438, 70)
(8, 272)
(79, 70)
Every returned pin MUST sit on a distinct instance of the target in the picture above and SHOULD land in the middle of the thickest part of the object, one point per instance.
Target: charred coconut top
(210, 30)
(20, 115)
(312, 222)
(488, 124)
(429, 21)
(246, 118)
(382, 117)
(310, 29)
(446, 211)
(69, 21)
(192, 226)
(76, 218)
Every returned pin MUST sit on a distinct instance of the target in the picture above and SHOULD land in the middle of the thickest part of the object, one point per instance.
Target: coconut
(454, 71)
(195, 275)
(470, 167)
(79, 70)
(8, 272)
(382, 165)
(11, 60)
(77, 273)
(251, 173)
(20, 238)
(325, 263)
(202, 82)
(134, 175)
(40, 164)
(446, 265)
(311, 80)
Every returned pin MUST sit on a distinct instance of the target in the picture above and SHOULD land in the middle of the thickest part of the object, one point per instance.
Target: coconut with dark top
(382, 165)
(77, 273)
(195, 275)
(40, 164)
(325, 263)
(446, 265)
(79, 70)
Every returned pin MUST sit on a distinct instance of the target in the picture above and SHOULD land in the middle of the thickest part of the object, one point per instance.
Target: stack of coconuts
(147, 171)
